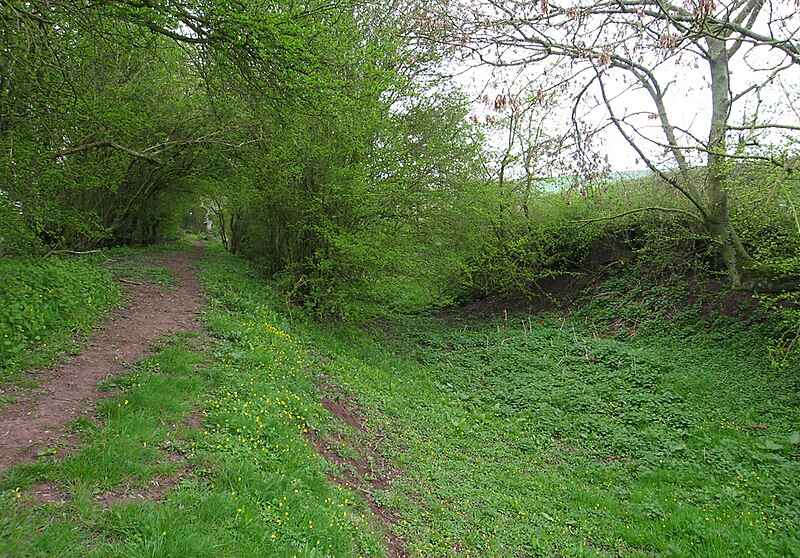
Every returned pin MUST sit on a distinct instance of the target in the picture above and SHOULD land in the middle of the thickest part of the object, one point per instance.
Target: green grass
(259, 421)
(544, 439)
(136, 438)
(44, 304)
(220, 425)
(49, 305)
(541, 438)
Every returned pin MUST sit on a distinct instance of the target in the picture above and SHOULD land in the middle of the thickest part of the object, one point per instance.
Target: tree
(636, 58)
(320, 138)
(106, 112)
(99, 131)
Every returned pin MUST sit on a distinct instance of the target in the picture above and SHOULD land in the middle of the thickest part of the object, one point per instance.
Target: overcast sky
(688, 100)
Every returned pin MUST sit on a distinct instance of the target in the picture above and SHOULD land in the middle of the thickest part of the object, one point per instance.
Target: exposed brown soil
(564, 293)
(548, 294)
(368, 471)
(35, 422)
(155, 491)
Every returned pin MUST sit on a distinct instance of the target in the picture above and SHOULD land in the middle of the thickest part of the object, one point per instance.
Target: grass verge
(44, 304)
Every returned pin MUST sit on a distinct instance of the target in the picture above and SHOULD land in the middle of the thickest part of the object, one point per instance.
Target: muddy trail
(37, 423)
(34, 424)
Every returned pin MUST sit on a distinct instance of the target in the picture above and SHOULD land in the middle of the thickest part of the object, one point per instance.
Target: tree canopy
(325, 140)
(626, 56)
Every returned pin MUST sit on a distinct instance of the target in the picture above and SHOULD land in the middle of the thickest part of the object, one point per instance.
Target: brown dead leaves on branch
(705, 8)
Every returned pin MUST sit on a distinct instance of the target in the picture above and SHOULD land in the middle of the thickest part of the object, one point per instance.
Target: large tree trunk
(744, 272)
(736, 259)
(717, 219)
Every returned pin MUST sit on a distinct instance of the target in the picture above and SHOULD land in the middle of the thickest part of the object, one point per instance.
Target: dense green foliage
(338, 163)
(43, 303)
(97, 122)
(347, 220)
(327, 144)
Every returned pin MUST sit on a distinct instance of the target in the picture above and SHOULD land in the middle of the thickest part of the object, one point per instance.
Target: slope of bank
(534, 435)
(202, 447)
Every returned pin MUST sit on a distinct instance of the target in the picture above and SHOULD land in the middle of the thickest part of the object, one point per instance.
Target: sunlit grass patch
(259, 420)
(243, 483)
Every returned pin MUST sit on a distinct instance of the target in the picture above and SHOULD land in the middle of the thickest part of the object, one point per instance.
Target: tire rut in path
(36, 420)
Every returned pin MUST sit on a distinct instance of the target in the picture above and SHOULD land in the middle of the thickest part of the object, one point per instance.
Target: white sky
(688, 100)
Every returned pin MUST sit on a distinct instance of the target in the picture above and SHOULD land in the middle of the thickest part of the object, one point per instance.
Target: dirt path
(36, 421)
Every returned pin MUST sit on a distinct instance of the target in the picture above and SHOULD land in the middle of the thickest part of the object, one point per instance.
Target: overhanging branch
(583, 222)
(102, 144)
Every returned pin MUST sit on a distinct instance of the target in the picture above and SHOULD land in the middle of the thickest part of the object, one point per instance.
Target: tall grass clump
(42, 301)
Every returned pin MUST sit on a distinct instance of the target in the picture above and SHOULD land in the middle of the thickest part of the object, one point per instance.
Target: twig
(639, 210)
(121, 280)
(77, 253)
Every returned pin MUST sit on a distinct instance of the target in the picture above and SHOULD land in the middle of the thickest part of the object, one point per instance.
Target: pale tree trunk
(717, 218)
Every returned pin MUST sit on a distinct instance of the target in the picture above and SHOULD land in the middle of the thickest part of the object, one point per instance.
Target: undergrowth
(44, 303)
(201, 452)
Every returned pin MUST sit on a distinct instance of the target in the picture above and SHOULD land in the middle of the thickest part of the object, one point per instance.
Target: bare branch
(640, 210)
(209, 139)
(766, 126)
(101, 144)
(688, 190)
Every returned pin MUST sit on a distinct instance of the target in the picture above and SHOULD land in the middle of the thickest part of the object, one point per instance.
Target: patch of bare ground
(360, 464)
(546, 295)
(155, 491)
(35, 422)
(563, 294)
(193, 420)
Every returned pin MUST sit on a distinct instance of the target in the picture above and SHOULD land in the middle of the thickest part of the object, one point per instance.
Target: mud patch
(546, 295)
(360, 464)
(155, 491)
(343, 407)
(47, 493)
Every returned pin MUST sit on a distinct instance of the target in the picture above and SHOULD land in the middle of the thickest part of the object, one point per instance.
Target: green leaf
(769, 445)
